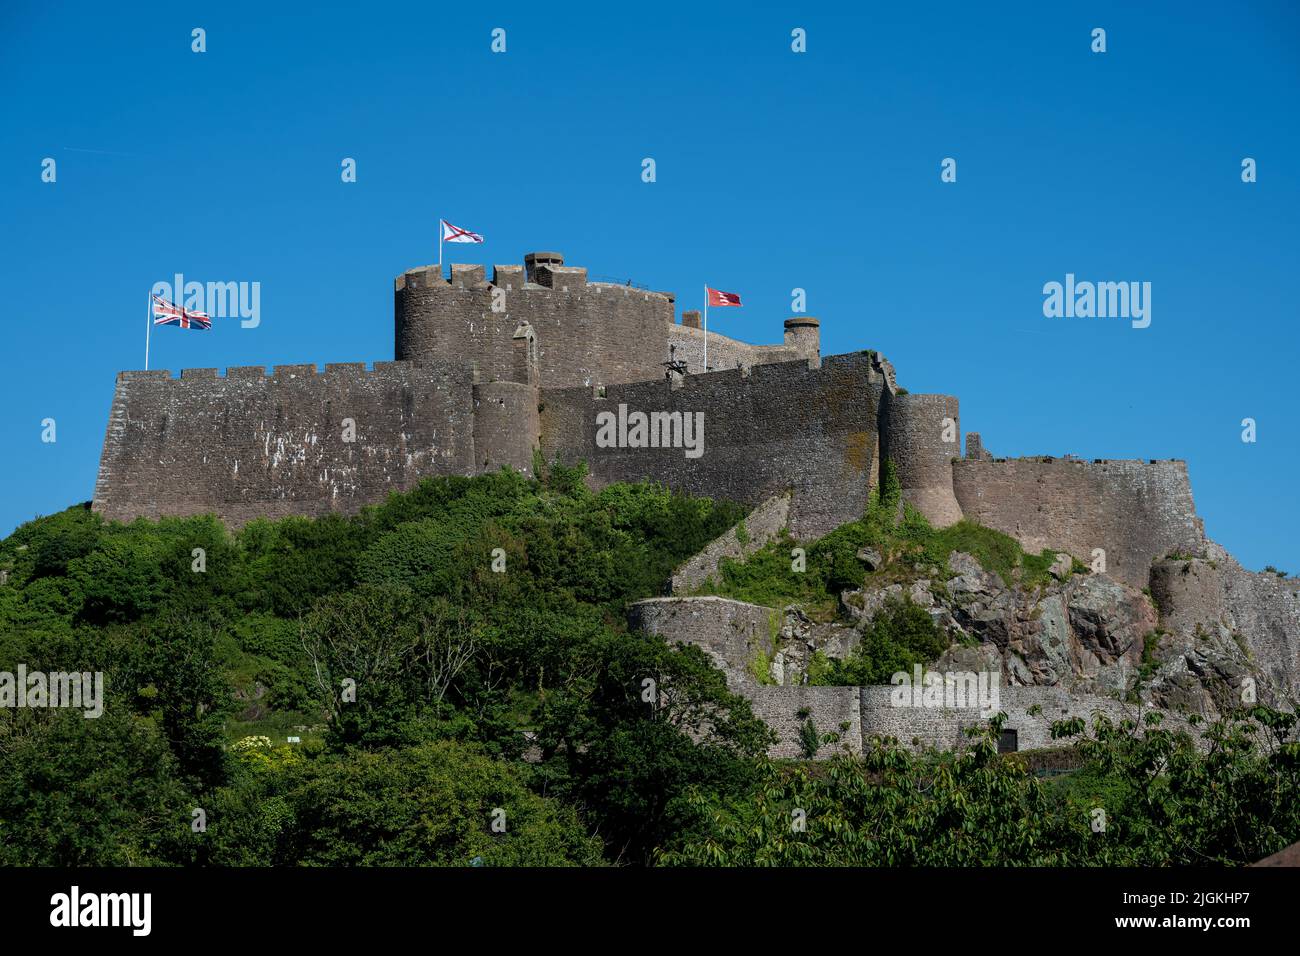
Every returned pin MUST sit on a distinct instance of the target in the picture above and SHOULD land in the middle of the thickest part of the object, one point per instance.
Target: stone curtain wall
(868, 712)
(781, 427)
(944, 728)
(1136, 510)
(251, 445)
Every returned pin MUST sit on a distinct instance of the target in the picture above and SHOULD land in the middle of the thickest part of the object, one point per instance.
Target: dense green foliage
(423, 647)
(1144, 797)
(900, 635)
(390, 643)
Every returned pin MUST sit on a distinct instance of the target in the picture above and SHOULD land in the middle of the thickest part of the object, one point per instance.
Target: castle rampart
(249, 444)
(1136, 511)
(1030, 711)
(779, 427)
(489, 370)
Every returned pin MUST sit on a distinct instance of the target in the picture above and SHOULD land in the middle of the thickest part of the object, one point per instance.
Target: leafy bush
(429, 805)
(901, 635)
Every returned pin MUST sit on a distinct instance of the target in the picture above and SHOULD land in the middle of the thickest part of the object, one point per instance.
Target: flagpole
(706, 327)
(439, 248)
(148, 327)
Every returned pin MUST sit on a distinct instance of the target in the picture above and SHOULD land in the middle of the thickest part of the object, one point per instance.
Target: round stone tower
(922, 435)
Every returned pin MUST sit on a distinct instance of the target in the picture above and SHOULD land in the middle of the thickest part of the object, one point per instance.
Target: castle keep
(487, 372)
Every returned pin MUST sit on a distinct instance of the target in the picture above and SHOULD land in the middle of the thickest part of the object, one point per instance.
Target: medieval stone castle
(487, 373)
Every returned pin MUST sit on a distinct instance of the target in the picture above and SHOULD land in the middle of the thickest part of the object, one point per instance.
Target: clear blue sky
(775, 171)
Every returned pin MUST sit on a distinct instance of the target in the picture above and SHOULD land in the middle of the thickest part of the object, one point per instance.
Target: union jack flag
(164, 313)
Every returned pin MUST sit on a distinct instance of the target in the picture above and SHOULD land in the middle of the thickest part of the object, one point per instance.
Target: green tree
(647, 725)
(436, 804)
(90, 792)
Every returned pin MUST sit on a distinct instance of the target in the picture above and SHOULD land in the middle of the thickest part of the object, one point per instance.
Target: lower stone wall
(732, 633)
(944, 728)
(833, 710)
(857, 714)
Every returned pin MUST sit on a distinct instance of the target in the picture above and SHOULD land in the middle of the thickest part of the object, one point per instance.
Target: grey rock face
(1224, 624)
(870, 558)
(1085, 633)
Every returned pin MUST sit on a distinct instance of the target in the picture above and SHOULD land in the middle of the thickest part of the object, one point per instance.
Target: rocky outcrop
(1078, 644)
(1230, 636)
(1211, 635)
(799, 639)
(1085, 634)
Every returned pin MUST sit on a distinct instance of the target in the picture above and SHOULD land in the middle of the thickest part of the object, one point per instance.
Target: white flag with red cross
(452, 233)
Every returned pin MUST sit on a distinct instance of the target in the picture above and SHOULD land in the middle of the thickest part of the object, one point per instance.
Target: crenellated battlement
(562, 280)
(1073, 460)
(288, 373)
(583, 332)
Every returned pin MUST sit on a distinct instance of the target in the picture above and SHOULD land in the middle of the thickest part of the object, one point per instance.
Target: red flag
(723, 298)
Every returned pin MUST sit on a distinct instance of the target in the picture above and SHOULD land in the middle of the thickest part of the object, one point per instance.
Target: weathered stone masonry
(248, 444)
(487, 372)
(786, 426)
(1136, 511)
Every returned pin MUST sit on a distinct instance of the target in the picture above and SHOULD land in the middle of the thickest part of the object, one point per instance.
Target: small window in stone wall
(1008, 742)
